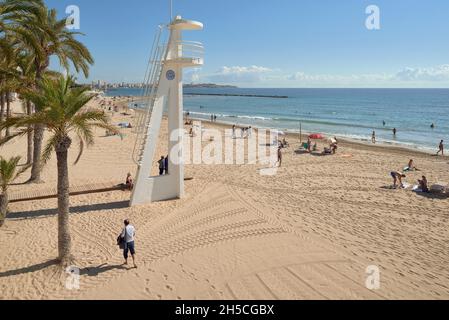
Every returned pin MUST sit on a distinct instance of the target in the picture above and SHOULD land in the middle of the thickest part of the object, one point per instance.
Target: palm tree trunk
(8, 111)
(2, 109)
(64, 240)
(37, 151)
(29, 136)
(38, 136)
(3, 207)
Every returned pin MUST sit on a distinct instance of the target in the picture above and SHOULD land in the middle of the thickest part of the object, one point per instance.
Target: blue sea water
(349, 113)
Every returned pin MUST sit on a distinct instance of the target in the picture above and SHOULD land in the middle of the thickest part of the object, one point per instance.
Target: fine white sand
(308, 232)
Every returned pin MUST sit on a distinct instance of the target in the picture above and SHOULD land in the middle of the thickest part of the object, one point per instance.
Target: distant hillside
(207, 85)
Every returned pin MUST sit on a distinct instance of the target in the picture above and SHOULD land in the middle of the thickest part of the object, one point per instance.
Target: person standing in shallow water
(394, 131)
(128, 234)
(373, 138)
(441, 148)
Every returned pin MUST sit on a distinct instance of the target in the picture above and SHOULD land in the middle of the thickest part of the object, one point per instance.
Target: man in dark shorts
(128, 234)
(397, 177)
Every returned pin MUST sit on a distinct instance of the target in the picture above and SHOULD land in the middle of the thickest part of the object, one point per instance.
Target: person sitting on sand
(423, 184)
(397, 176)
(334, 145)
(129, 182)
(285, 143)
(411, 166)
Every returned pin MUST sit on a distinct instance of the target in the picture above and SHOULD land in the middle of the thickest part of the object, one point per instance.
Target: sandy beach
(308, 232)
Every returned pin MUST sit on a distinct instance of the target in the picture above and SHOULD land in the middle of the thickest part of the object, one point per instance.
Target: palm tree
(44, 36)
(18, 74)
(60, 111)
(8, 173)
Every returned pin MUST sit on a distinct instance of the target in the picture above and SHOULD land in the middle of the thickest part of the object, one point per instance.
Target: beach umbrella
(316, 136)
(279, 133)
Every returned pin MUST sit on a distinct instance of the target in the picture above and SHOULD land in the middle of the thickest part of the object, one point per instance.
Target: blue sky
(283, 43)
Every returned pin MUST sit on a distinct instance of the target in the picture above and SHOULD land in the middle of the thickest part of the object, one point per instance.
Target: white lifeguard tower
(164, 90)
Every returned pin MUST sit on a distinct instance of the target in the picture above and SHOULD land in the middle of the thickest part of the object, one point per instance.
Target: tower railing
(191, 50)
(149, 91)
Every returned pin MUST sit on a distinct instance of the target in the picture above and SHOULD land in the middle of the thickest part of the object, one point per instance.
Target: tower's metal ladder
(149, 92)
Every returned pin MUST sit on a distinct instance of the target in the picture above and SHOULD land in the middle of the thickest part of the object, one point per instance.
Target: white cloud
(439, 73)
(259, 76)
(238, 74)
(303, 77)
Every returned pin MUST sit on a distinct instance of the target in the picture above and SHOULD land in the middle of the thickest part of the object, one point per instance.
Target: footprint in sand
(169, 288)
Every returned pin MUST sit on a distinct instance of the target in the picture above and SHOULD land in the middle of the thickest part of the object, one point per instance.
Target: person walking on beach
(441, 148)
(279, 162)
(373, 138)
(127, 236)
(161, 165)
(233, 131)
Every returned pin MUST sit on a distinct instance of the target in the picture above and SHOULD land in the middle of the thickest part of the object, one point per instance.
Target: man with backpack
(126, 242)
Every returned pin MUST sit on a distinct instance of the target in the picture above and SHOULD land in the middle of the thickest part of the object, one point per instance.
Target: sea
(346, 113)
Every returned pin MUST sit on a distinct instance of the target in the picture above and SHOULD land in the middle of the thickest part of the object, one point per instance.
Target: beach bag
(121, 241)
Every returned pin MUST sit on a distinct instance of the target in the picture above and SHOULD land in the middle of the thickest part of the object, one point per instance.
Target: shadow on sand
(90, 271)
(79, 209)
(30, 269)
(95, 271)
(433, 195)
